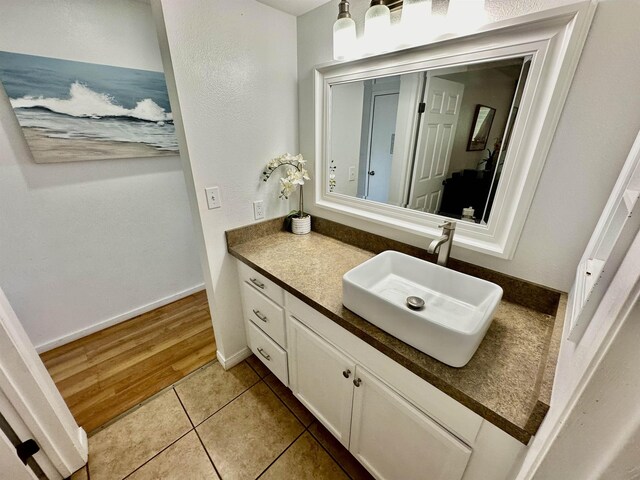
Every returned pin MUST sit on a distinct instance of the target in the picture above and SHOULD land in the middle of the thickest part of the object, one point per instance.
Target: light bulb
(344, 38)
(465, 15)
(377, 28)
(416, 21)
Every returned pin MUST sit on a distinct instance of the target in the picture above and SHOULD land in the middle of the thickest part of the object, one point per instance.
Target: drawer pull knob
(346, 373)
(357, 382)
(265, 355)
(257, 283)
(260, 315)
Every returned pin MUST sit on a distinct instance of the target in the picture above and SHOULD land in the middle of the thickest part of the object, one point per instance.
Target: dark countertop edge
(523, 435)
(554, 351)
(523, 292)
(547, 369)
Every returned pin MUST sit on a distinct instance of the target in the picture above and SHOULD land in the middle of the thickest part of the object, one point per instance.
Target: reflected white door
(383, 130)
(435, 142)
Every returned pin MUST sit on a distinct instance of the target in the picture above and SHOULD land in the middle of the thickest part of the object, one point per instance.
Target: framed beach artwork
(72, 111)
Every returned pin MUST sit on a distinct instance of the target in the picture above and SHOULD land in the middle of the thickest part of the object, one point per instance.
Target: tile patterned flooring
(240, 424)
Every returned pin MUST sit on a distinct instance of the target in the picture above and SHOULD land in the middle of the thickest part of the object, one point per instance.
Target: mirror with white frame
(433, 141)
(381, 159)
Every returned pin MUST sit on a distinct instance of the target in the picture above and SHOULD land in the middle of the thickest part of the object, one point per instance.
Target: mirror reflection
(433, 141)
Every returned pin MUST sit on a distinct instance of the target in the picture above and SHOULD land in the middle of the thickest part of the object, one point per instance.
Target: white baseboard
(117, 319)
(234, 359)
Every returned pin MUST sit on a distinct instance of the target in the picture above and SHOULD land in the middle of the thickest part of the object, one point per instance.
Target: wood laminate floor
(106, 373)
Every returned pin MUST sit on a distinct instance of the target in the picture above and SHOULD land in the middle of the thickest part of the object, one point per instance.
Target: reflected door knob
(371, 172)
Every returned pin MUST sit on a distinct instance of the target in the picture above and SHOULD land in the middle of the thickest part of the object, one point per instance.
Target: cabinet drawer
(265, 314)
(269, 353)
(261, 283)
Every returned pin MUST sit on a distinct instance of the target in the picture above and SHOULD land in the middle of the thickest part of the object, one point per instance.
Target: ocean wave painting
(72, 111)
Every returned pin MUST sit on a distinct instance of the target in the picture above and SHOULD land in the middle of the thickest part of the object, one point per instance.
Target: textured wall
(235, 78)
(598, 125)
(87, 242)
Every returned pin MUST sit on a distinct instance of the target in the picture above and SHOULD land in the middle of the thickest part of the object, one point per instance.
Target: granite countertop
(508, 381)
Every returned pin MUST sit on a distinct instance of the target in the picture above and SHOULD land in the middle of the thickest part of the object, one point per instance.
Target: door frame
(584, 372)
(34, 398)
(371, 91)
(372, 112)
(11, 464)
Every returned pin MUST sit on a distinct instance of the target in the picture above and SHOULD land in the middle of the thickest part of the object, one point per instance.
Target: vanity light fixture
(344, 33)
(416, 27)
(377, 27)
(465, 15)
(416, 23)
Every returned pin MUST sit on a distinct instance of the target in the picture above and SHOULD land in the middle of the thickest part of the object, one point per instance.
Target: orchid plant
(332, 176)
(296, 174)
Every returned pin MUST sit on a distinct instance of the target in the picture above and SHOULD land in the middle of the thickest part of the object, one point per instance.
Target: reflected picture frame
(480, 128)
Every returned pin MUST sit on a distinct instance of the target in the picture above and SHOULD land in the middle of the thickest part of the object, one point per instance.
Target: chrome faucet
(442, 245)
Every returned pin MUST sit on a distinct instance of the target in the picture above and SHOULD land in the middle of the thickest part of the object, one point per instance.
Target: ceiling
(294, 7)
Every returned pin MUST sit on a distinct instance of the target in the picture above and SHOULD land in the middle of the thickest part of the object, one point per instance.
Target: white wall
(346, 128)
(87, 242)
(599, 123)
(235, 78)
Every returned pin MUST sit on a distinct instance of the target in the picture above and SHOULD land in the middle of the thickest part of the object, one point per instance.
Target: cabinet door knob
(265, 355)
(357, 382)
(257, 283)
(346, 373)
(260, 315)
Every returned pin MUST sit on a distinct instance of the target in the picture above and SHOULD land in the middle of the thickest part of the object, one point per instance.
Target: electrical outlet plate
(258, 210)
(213, 197)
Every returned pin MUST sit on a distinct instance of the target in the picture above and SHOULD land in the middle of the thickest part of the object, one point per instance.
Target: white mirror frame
(554, 38)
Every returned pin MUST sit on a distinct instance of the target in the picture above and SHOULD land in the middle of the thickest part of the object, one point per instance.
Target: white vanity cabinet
(269, 352)
(264, 320)
(393, 439)
(266, 314)
(321, 378)
(395, 423)
(387, 434)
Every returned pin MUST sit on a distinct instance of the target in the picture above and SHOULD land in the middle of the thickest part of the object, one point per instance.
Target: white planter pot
(301, 226)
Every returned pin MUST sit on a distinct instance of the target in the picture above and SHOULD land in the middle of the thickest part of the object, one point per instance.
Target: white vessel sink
(457, 312)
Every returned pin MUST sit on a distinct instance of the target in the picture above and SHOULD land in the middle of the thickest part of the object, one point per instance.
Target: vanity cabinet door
(321, 377)
(393, 439)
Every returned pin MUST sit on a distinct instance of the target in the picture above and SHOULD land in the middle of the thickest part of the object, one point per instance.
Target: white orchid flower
(295, 176)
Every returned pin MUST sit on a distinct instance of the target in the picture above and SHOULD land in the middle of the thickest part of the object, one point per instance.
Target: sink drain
(415, 303)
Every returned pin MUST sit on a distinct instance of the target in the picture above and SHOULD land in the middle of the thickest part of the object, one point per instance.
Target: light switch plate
(213, 197)
(352, 174)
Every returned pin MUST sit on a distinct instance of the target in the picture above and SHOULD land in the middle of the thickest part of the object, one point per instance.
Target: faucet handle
(448, 225)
